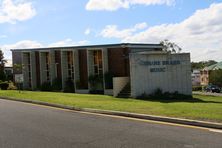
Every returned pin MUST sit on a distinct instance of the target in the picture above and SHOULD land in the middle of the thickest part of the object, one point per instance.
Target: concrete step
(125, 92)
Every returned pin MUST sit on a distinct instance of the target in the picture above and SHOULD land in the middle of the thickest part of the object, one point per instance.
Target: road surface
(31, 126)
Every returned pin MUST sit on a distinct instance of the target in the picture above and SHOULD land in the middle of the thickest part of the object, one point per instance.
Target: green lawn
(207, 108)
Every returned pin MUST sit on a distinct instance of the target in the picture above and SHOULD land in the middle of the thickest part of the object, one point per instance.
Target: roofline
(128, 45)
(211, 67)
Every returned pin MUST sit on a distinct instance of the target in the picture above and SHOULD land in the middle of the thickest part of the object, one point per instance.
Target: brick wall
(118, 61)
(83, 71)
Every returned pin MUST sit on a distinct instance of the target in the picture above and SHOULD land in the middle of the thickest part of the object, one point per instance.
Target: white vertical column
(42, 59)
(33, 70)
(105, 60)
(90, 64)
(52, 65)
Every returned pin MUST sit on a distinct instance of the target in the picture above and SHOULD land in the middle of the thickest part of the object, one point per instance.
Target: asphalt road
(30, 126)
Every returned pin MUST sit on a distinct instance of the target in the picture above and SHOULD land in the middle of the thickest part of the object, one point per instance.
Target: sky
(194, 25)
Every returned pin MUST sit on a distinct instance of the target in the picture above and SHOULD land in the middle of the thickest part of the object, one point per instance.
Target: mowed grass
(207, 108)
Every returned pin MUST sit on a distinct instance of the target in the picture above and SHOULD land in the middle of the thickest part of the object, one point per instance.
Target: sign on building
(19, 78)
(165, 71)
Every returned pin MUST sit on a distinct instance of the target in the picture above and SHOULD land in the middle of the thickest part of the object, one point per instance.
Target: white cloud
(112, 31)
(68, 42)
(13, 11)
(23, 44)
(8, 63)
(19, 45)
(109, 5)
(112, 5)
(140, 26)
(152, 2)
(200, 34)
(87, 31)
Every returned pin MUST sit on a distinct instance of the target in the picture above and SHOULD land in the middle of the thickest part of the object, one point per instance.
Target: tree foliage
(202, 64)
(170, 46)
(2, 65)
(216, 77)
(2, 60)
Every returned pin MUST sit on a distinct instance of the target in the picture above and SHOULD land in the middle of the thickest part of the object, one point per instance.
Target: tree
(2, 61)
(210, 62)
(2, 65)
(216, 77)
(202, 64)
(170, 46)
(17, 67)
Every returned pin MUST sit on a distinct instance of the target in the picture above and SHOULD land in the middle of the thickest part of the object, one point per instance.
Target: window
(97, 61)
(8, 72)
(70, 65)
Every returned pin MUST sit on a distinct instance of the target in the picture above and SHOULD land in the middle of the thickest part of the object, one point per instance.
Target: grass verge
(206, 108)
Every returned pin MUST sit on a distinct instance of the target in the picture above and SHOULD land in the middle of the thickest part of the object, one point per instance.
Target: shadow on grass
(188, 100)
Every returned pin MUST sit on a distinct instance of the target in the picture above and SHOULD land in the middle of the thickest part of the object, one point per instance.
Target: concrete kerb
(126, 114)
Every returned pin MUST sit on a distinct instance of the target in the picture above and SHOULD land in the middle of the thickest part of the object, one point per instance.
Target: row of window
(97, 64)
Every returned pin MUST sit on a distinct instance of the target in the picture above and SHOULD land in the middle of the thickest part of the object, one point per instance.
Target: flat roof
(128, 45)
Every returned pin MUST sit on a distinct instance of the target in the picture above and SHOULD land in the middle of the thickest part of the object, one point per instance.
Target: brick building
(205, 73)
(78, 63)
(115, 69)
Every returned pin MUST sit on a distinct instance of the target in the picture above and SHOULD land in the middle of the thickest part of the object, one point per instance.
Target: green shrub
(96, 83)
(2, 75)
(11, 86)
(108, 80)
(4, 85)
(158, 94)
(56, 84)
(46, 86)
(197, 88)
(93, 79)
(9, 77)
(80, 85)
(215, 77)
(69, 86)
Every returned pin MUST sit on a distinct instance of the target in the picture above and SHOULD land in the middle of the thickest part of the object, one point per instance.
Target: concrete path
(207, 93)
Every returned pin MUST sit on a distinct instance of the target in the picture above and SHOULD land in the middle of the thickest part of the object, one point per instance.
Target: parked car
(213, 89)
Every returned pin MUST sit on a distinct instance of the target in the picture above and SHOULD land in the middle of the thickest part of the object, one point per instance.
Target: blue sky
(195, 25)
